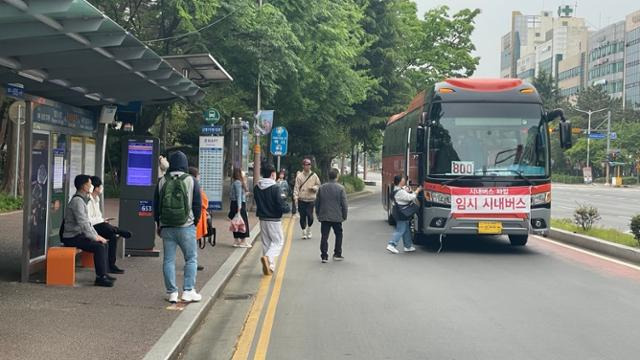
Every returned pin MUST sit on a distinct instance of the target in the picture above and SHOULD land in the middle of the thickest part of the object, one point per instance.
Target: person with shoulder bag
(304, 196)
(237, 206)
(404, 208)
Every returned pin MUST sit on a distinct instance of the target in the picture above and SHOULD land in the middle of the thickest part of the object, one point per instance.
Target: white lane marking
(603, 257)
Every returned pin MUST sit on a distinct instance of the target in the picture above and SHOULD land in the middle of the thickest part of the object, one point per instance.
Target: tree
(328, 82)
(442, 47)
(406, 56)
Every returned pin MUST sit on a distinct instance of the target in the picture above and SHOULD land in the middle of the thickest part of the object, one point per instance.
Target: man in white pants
(271, 205)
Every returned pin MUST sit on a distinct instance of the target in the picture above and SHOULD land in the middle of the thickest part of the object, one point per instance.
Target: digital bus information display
(140, 163)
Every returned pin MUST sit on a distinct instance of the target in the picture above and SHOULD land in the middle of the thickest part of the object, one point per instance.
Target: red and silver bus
(481, 150)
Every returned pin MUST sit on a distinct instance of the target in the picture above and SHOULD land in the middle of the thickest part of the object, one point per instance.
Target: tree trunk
(353, 161)
(364, 166)
(8, 139)
(148, 117)
(324, 163)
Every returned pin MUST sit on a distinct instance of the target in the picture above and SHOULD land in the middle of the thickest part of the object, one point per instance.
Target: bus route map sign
(504, 200)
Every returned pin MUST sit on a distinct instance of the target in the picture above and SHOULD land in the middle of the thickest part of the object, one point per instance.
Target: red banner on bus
(503, 200)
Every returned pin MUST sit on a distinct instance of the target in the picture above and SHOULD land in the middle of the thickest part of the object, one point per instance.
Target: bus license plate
(489, 227)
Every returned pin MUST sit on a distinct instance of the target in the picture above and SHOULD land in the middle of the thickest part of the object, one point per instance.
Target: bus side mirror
(557, 113)
(420, 139)
(565, 134)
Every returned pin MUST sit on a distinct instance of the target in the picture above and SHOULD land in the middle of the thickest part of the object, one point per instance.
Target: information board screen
(140, 163)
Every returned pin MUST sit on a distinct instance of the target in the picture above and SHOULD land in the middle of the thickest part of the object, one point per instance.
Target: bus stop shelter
(71, 65)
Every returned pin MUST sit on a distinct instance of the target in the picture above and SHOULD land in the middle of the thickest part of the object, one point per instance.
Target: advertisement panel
(39, 187)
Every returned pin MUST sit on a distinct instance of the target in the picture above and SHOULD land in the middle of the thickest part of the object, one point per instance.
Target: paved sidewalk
(88, 322)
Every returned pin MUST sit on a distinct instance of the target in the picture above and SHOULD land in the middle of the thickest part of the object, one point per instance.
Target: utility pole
(589, 112)
(256, 146)
(606, 179)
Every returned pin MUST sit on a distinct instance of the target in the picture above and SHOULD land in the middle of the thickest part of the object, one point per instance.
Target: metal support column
(26, 207)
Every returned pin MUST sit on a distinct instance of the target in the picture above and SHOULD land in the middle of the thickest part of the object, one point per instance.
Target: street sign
(211, 130)
(614, 136)
(597, 136)
(15, 90)
(279, 141)
(211, 116)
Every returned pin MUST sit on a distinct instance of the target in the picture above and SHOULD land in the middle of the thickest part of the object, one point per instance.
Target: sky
(495, 20)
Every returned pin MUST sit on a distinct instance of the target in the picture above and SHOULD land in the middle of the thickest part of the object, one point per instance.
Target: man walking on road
(271, 205)
(331, 207)
(304, 195)
(177, 205)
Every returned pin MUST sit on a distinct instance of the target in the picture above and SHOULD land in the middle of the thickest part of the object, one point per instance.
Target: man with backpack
(177, 204)
(270, 207)
(304, 195)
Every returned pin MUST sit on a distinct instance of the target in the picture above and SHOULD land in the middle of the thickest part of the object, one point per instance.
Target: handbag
(237, 224)
(403, 212)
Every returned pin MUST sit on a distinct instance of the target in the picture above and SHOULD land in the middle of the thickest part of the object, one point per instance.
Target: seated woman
(78, 232)
(102, 226)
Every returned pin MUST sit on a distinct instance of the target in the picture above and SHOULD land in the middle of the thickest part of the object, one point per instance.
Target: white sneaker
(392, 249)
(304, 234)
(272, 267)
(245, 245)
(191, 295)
(308, 233)
(411, 249)
(173, 297)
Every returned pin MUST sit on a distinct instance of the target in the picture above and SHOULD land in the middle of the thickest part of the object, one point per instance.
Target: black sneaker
(124, 233)
(103, 281)
(325, 260)
(338, 258)
(200, 267)
(111, 277)
(115, 270)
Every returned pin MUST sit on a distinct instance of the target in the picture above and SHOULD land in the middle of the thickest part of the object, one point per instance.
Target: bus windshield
(487, 139)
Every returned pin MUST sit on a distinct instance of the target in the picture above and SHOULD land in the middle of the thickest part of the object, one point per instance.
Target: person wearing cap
(304, 195)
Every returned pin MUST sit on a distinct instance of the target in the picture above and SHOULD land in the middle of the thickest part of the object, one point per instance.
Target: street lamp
(589, 112)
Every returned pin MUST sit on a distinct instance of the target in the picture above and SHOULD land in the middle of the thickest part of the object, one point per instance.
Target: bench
(61, 264)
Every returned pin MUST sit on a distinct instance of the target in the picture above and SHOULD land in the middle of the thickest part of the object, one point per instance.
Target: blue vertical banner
(264, 122)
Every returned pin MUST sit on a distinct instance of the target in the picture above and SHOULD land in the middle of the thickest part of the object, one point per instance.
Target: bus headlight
(542, 198)
(437, 197)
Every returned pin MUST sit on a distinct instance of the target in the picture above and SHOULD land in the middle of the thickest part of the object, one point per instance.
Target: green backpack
(174, 201)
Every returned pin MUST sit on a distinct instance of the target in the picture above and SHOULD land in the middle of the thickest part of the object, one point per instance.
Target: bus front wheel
(518, 240)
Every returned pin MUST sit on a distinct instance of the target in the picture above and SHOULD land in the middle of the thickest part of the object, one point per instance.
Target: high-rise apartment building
(606, 58)
(632, 61)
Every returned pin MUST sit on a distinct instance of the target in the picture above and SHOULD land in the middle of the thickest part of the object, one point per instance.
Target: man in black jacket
(271, 205)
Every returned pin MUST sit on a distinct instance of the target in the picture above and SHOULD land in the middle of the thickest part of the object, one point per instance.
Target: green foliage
(585, 216)
(611, 235)
(334, 70)
(567, 179)
(351, 183)
(635, 227)
(9, 203)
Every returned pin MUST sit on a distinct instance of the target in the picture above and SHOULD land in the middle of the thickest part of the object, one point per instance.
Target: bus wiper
(457, 178)
(517, 173)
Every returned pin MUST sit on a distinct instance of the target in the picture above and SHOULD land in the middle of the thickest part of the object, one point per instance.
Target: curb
(173, 340)
(621, 252)
(359, 194)
(10, 212)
